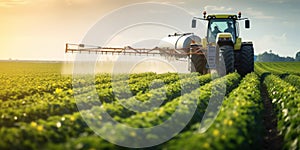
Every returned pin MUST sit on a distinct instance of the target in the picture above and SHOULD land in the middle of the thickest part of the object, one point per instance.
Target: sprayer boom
(127, 50)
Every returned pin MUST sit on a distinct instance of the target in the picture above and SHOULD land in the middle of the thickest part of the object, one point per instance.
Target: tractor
(222, 49)
(223, 35)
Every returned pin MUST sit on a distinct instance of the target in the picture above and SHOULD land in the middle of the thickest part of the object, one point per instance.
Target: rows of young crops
(157, 116)
(71, 126)
(39, 108)
(61, 100)
(238, 126)
(279, 68)
(282, 83)
(294, 80)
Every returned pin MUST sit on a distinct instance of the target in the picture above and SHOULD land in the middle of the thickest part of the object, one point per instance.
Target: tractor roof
(221, 16)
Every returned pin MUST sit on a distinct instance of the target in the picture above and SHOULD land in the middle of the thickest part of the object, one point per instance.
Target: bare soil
(272, 140)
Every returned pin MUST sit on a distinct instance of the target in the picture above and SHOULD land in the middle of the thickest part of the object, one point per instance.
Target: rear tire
(199, 64)
(226, 64)
(245, 63)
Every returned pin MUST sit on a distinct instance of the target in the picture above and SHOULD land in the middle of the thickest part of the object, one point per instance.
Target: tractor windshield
(216, 26)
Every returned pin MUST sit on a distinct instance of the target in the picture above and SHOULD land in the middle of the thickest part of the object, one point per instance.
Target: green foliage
(60, 100)
(278, 68)
(38, 109)
(238, 125)
(293, 80)
(157, 116)
(286, 100)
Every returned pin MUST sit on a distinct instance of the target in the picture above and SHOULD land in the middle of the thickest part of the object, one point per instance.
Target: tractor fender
(247, 43)
(239, 44)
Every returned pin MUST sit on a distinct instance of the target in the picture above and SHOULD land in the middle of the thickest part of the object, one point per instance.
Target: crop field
(278, 68)
(40, 108)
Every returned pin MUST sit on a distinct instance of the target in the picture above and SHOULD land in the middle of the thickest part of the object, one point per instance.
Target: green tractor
(224, 46)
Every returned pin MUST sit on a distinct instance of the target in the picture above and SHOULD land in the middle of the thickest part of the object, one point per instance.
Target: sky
(39, 29)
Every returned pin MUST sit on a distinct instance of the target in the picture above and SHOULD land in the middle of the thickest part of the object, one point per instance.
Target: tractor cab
(216, 26)
(222, 23)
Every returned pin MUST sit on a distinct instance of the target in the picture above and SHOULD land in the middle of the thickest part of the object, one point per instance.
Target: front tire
(245, 64)
(226, 64)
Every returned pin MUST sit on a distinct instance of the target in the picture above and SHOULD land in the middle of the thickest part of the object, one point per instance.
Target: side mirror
(247, 24)
(194, 22)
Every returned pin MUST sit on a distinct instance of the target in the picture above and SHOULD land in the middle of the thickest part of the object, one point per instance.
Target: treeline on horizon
(271, 57)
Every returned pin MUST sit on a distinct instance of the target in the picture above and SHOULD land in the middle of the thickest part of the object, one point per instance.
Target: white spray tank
(180, 42)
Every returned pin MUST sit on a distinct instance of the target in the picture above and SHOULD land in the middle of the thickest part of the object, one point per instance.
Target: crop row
(13, 87)
(18, 87)
(103, 89)
(268, 68)
(162, 95)
(65, 91)
(286, 101)
(293, 80)
(60, 102)
(259, 69)
(279, 68)
(238, 125)
(126, 107)
(201, 96)
(56, 129)
(181, 105)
